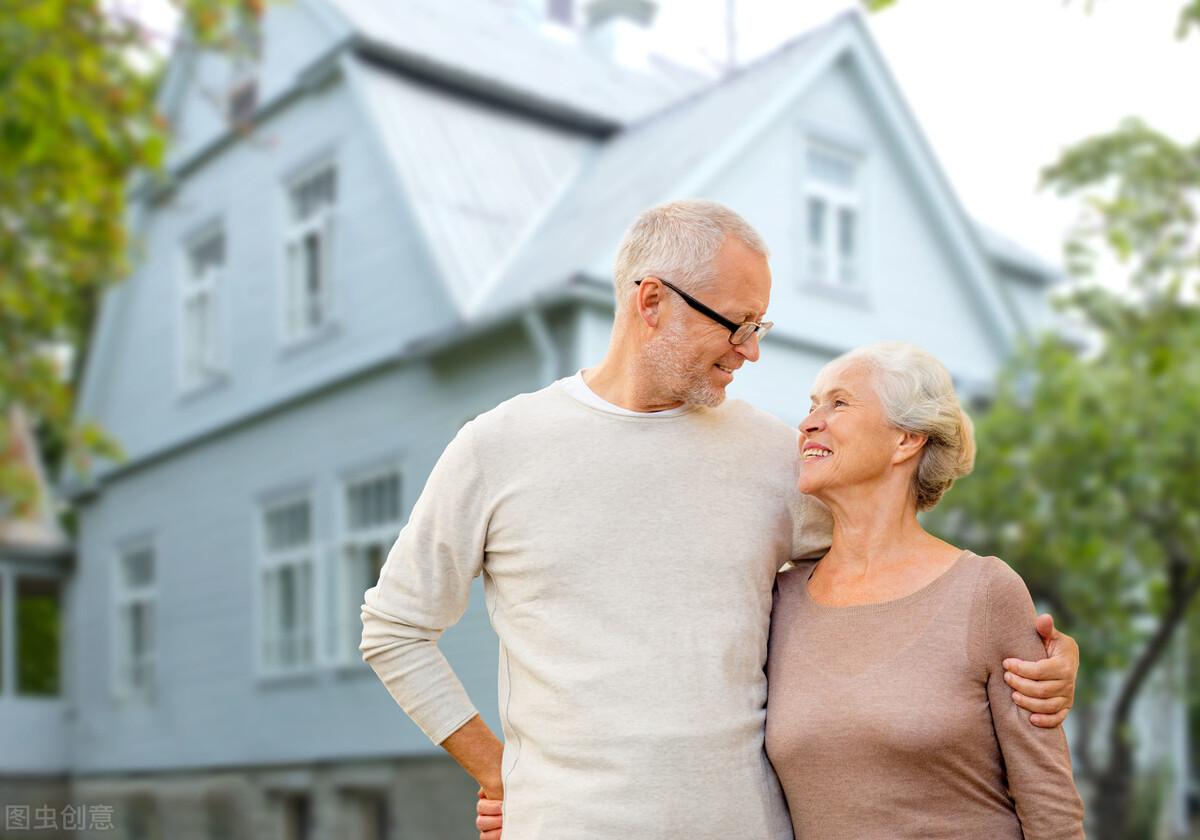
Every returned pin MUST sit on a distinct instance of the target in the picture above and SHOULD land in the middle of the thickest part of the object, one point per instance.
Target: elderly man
(629, 522)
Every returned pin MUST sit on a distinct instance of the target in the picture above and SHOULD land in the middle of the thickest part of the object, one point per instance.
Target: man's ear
(649, 296)
(909, 446)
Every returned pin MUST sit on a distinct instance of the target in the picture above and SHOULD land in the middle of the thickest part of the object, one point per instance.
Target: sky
(999, 87)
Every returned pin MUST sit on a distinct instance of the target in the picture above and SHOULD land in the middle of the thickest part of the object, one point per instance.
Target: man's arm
(424, 587)
(478, 752)
(1046, 687)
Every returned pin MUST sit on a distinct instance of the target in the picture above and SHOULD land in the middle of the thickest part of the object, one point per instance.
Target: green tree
(77, 121)
(1086, 478)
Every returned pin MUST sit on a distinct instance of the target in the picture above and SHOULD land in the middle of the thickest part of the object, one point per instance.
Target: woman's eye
(839, 402)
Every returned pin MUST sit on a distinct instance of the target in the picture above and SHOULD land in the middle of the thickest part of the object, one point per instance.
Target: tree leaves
(77, 120)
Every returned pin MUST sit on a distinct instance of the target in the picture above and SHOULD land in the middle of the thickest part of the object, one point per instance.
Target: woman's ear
(910, 446)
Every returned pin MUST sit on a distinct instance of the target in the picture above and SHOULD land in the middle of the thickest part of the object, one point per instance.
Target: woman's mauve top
(893, 720)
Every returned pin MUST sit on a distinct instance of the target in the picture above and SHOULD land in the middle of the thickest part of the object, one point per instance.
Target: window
(372, 511)
(287, 588)
(38, 632)
(141, 818)
(308, 292)
(832, 208)
(220, 817)
(368, 815)
(297, 817)
(244, 54)
(243, 99)
(205, 262)
(135, 623)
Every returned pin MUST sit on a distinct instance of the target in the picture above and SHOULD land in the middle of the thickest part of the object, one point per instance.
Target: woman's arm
(1037, 760)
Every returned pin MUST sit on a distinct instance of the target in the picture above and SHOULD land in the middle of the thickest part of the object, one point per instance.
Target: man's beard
(675, 375)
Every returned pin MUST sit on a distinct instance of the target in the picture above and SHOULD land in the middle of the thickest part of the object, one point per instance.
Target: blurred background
(260, 261)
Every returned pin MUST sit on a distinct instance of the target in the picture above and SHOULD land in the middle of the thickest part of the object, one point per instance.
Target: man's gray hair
(679, 241)
(918, 396)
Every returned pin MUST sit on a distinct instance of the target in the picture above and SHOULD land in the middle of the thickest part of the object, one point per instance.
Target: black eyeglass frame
(760, 328)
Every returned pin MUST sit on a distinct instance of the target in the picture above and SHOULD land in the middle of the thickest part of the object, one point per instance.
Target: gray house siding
(385, 289)
(210, 706)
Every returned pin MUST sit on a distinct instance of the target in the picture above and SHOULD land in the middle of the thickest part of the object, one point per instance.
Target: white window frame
(270, 562)
(346, 633)
(836, 199)
(125, 597)
(294, 326)
(196, 373)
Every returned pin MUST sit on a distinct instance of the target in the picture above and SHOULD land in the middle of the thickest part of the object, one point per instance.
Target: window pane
(220, 817)
(364, 565)
(847, 245)
(369, 815)
(816, 221)
(288, 526)
(297, 817)
(313, 194)
(207, 255)
(831, 168)
(141, 819)
(374, 502)
(313, 279)
(287, 600)
(138, 568)
(816, 238)
(39, 628)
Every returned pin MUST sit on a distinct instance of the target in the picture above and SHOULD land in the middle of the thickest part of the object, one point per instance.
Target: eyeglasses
(738, 333)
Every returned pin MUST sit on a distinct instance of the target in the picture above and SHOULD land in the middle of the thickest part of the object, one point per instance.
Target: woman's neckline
(915, 595)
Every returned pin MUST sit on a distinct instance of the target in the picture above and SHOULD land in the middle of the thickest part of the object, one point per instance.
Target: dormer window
(243, 99)
(311, 200)
(832, 217)
(204, 268)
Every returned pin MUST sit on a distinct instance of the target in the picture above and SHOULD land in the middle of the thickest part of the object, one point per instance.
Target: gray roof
(1004, 250)
(480, 43)
(505, 169)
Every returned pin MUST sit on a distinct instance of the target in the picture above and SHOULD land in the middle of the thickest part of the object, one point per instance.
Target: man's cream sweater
(628, 563)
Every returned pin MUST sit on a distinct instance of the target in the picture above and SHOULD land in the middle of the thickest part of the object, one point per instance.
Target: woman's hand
(488, 817)
(1046, 687)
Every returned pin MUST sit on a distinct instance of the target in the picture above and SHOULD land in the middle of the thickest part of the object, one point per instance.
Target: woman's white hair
(918, 396)
(679, 241)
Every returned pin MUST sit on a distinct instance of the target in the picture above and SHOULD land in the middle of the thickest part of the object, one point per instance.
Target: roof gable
(678, 151)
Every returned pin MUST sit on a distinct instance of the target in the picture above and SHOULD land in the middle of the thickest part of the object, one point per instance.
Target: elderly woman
(911, 731)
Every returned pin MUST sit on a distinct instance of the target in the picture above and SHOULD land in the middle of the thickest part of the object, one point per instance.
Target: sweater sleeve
(812, 531)
(424, 587)
(1036, 760)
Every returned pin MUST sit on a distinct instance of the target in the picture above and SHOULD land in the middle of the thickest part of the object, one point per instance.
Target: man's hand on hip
(488, 817)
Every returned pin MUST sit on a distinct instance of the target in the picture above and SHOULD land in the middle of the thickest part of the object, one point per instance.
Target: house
(381, 220)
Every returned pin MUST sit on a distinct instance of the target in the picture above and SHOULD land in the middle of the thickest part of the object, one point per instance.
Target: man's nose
(748, 349)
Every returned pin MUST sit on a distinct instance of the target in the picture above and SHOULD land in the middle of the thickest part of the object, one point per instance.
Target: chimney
(620, 30)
